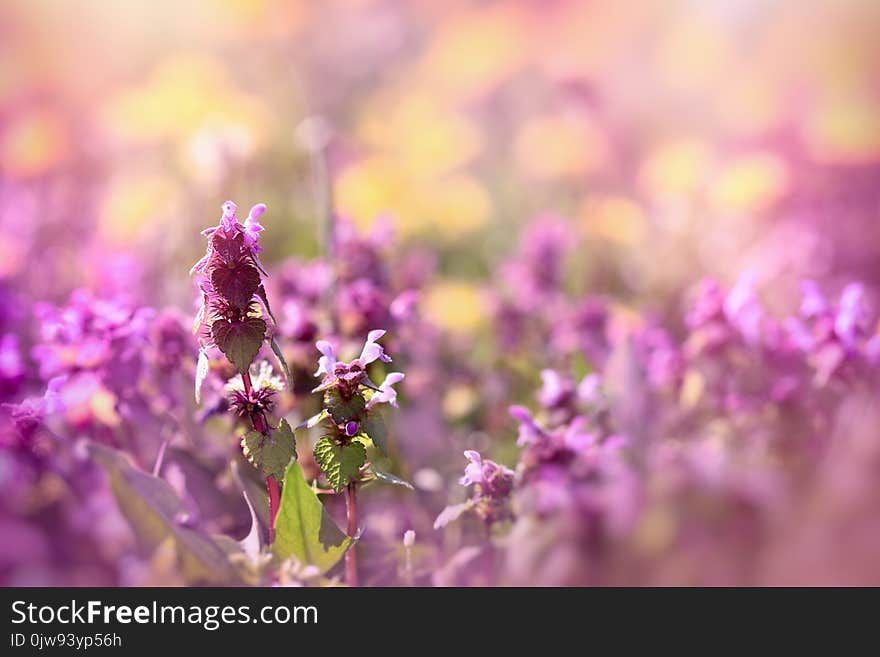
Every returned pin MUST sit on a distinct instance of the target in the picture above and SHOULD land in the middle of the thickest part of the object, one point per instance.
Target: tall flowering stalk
(352, 420)
(235, 318)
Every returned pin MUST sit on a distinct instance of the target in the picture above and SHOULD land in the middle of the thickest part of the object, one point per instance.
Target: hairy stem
(273, 488)
(351, 576)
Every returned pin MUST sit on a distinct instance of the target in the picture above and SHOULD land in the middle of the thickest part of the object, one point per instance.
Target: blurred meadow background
(625, 151)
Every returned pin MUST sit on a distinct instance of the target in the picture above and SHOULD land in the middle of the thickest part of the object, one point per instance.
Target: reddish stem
(351, 576)
(272, 486)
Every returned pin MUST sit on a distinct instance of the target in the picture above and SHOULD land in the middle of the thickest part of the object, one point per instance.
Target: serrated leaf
(451, 514)
(340, 463)
(236, 282)
(276, 349)
(375, 427)
(201, 373)
(303, 528)
(239, 341)
(388, 478)
(270, 454)
(153, 510)
(341, 409)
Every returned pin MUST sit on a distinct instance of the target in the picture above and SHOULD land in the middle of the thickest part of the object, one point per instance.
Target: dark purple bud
(351, 429)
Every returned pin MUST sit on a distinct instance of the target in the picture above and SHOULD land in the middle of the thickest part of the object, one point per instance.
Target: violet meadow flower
(349, 376)
(234, 314)
(555, 390)
(743, 309)
(386, 393)
(492, 483)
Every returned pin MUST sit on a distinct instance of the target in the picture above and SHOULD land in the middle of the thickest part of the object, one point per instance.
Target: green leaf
(341, 409)
(388, 478)
(240, 341)
(340, 463)
(276, 349)
(270, 454)
(303, 528)
(155, 513)
(236, 282)
(374, 426)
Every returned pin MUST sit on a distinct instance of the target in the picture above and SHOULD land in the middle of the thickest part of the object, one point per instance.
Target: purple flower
(373, 351)
(852, 315)
(352, 374)
(11, 365)
(813, 303)
(743, 309)
(555, 390)
(252, 227)
(229, 278)
(386, 393)
(473, 471)
(494, 480)
(351, 429)
(327, 362)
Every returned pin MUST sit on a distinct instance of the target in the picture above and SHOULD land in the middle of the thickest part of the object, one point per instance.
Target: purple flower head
(589, 390)
(351, 429)
(851, 320)
(404, 306)
(11, 365)
(708, 306)
(232, 241)
(743, 309)
(813, 304)
(529, 430)
(372, 350)
(386, 393)
(555, 391)
(348, 376)
(259, 400)
(234, 314)
(494, 480)
(253, 228)
(104, 336)
(327, 361)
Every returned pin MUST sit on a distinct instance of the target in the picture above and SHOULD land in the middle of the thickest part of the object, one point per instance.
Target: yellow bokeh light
(750, 183)
(615, 218)
(455, 306)
(131, 204)
(676, 168)
(33, 143)
(552, 147)
(844, 132)
(183, 94)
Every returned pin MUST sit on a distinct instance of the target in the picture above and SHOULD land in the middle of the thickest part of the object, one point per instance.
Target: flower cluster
(234, 315)
(351, 414)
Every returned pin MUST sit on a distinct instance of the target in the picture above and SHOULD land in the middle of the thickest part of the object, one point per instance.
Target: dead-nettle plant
(351, 421)
(235, 318)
